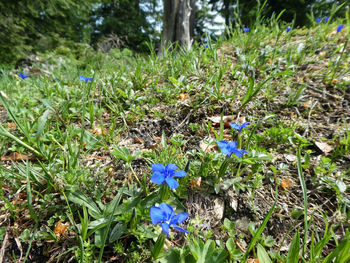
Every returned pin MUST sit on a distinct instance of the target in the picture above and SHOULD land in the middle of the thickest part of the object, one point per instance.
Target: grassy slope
(292, 87)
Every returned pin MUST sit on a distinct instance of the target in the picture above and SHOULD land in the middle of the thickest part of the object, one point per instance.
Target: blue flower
(206, 46)
(163, 174)
(318, 19)
(229, 148)
(326, 19)
(164, 214)
(246, 29)
(339, 28)
(86, 79)
(288, 28)
(239, 127)
(23, 76)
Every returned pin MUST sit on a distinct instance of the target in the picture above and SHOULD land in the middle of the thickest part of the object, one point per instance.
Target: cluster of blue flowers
(165, 216)
(163, 174)
(164, 213)
(326, 19)
(230, 148)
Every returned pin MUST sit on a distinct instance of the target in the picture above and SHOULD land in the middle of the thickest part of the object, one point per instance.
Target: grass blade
(293, 253)
(260, 229)
(304, 190)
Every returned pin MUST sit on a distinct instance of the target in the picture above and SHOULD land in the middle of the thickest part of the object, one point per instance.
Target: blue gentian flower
(239, 127)
(246, 29)
(206, 46)
(229, 148)
(339, 28)
(318, 19)
(23, 76)
(86, 79)
(326, 19)
(164, 214)
(163, 174)
(288, 29)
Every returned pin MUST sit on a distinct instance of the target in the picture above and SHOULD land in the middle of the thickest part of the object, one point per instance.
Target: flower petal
(157, 215)
(180, 174)
(181, 229)
(244, 125)
(179, 218)
(167, 210)
(239, 152)
(172, 182)
(158, 167)
(170, 168)
(157, 178)
(165, 228)
(224, 147)
(235, 126)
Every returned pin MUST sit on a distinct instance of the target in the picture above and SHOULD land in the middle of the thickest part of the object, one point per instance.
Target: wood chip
(60, 228)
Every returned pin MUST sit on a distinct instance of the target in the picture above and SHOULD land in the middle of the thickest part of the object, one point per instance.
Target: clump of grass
(84, 150)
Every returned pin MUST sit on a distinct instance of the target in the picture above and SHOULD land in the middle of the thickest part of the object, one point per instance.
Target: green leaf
(341, 186)
(78, 197)
(158, 246)
(294, 249)
(262, 255)
(260, 229)
(42, 124)
(340, 253)
(117, 231)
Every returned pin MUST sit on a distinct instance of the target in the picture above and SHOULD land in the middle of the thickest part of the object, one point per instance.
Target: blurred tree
(30, 25)
(177, 20)
(246, 10)
(125, 19)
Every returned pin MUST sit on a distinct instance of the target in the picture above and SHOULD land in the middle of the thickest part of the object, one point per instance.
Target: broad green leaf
(117, 231)
(78, 197)
(262, 255)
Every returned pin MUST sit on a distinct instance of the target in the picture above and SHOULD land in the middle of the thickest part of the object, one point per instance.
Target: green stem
(8, 134)
(304, 190)
(137, 179)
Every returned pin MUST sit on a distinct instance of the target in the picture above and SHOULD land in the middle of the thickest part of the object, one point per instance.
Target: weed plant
(104, 158)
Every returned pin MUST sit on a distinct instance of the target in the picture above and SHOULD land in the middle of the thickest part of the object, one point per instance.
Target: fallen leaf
(334, 81)
(60, 228)
(195, 182)
(15, 156)
(208, 147)
(98, 130)
(215, 120)
(323, 54)
(95, 157)
(286, 183)
(307, 104)
(183, 96)
(11, 126)
(324, 147)
(290, 157)
(138, 140)
(110, 172)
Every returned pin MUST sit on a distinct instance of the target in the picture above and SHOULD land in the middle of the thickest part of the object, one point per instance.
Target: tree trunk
(177, 23)
(183, 24)
(192, 18)
(169, 21)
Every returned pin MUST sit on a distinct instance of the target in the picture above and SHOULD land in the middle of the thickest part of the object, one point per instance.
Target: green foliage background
(28, 26)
